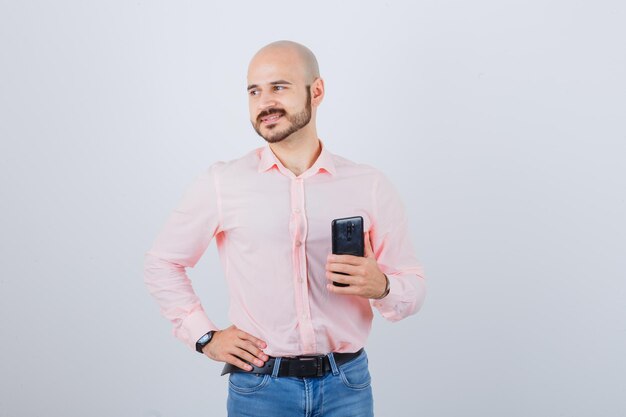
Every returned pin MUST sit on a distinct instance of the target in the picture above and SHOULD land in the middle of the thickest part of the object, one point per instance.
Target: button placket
(306, 326)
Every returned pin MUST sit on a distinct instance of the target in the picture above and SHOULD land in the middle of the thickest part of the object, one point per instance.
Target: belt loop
(276, 367)
(333, 365)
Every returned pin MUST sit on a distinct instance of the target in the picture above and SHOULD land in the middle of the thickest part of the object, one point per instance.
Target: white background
(500, 122)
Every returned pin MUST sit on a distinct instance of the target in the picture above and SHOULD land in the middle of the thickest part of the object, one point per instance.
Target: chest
(272, 208)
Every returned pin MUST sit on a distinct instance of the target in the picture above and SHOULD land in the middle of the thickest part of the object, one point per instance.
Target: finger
(342, 290)
(343, 279)
(247, 336)
(255, 351)
(345, 268)
(369, 252)
(247, 356)
(345, 259)
(234, 360)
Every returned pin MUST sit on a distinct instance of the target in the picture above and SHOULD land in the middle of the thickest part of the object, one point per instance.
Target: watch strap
(204, 340)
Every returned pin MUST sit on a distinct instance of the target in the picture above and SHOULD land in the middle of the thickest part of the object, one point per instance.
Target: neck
(299, 151)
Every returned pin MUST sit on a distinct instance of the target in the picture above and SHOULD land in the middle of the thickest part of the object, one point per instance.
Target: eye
(253, 92)
(279, 87)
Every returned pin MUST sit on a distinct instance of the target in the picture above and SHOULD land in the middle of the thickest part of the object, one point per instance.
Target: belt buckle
(311, 365)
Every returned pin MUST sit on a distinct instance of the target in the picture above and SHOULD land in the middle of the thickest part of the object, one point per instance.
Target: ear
(317, 92)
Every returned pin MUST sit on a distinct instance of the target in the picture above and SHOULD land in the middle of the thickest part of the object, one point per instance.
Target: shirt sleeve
(180, 243)
(389, 234)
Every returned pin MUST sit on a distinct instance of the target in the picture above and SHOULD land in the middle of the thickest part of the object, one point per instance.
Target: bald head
(297, 56)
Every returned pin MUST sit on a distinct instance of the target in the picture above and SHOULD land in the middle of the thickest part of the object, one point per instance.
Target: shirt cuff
(194, 327)
(406, 296)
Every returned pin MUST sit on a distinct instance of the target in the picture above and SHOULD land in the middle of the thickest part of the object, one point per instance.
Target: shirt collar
(324, 161)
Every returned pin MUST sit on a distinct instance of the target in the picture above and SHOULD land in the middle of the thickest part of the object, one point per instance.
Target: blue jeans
(344, 392)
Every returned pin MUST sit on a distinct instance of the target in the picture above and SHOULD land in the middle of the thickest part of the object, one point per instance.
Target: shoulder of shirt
(346, 166)
(247, 161)
(365, 173)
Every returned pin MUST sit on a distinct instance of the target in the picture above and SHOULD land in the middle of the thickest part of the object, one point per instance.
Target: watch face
(204, 339)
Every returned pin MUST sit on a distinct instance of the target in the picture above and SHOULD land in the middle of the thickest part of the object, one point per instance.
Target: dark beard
(297, 121)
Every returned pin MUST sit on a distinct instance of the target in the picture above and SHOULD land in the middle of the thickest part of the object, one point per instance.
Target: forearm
(179, 245)
(395, 254)
(170, 286)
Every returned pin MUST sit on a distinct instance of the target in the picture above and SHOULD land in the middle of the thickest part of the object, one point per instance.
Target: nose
(266, 101)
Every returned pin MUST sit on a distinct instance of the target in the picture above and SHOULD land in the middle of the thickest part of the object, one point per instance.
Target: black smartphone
(347, 239)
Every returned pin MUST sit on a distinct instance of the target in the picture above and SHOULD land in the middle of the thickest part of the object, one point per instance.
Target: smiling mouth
(271, 118)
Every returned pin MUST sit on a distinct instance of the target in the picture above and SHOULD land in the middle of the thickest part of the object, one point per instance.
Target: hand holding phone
(347, 239)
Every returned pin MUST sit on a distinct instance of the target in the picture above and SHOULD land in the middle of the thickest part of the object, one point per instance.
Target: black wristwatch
(204, 340)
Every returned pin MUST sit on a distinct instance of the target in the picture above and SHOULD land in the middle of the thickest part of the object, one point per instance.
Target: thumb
(369, 252)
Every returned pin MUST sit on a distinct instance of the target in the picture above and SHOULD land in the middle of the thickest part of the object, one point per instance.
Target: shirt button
(296, 210)
(298, 243)
(300, 279)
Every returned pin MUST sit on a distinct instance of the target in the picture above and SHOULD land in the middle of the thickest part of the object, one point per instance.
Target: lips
(271, 116)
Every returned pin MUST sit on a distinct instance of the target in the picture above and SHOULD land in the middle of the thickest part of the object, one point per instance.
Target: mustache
(270, 111)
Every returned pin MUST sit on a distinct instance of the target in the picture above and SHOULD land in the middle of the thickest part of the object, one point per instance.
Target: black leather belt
(300, 366)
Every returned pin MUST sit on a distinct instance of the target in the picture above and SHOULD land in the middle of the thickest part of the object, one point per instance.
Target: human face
(275, 124)
(279, 95)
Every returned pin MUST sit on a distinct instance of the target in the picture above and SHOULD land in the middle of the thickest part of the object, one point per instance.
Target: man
(296, 343)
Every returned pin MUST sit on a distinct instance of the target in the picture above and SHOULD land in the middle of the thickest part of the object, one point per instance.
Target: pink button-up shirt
(273, 235)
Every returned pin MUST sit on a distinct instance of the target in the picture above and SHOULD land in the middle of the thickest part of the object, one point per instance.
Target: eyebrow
(279, 82)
